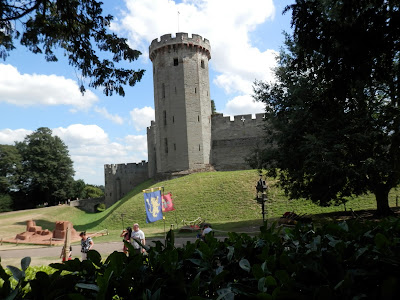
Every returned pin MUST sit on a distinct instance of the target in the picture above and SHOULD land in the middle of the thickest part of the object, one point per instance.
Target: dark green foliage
(334, 110)
(100, 207)
(6, 202)
(213, 108)
(338, 261)
(10, 166)
(79, 28)
(47, 168)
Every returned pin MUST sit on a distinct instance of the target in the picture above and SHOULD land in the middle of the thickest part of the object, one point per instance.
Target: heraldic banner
(152, 202)
(167, 204)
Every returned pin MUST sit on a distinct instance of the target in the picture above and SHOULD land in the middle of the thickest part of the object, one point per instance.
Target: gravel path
(103, 248)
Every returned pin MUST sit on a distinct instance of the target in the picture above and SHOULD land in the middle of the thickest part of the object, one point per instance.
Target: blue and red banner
(153, 205)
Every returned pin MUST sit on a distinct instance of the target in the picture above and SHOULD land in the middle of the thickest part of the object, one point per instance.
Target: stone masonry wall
(182, 131)
(233, 141)
(122, 178)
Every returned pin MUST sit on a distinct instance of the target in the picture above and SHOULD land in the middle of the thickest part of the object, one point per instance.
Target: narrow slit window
(173, 119)
(174, 146)
(198, 118)
(163, 90)
(199, 147)
(176, 62)
(166, 145)
(165, 117)
(202, 64)
(195, 90)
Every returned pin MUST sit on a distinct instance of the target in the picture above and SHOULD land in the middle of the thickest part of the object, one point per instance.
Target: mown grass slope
(225, 199)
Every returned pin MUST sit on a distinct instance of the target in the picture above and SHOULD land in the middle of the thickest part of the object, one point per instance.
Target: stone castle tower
(180, 137)
(185, 136)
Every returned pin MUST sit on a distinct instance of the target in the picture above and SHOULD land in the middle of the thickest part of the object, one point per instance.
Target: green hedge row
(337, 261)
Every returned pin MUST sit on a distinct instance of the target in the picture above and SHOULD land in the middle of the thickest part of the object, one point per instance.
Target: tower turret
(182, 131)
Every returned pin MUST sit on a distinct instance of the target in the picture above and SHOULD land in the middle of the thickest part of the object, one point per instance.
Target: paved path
(102, 248)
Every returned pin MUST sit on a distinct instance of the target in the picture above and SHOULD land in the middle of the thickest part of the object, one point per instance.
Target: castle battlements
(182, 39)
(238, 119)
(124, 167)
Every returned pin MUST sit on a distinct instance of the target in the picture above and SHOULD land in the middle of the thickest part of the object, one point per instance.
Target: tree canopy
(10, 167)
(79, 28)
(333, 113)
(47, 173)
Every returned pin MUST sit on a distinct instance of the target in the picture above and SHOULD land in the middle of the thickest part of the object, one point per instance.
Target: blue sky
(245, 36)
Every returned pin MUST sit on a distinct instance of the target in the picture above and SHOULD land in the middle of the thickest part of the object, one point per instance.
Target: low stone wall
(88, 205)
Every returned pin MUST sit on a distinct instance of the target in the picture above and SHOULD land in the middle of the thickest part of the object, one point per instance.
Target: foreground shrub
(344, 260)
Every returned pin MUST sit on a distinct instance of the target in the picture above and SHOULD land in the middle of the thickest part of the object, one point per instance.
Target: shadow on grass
(109, 211)
(45, 224)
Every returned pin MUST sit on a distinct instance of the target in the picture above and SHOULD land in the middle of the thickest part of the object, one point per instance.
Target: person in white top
(138, 235)
(206, 229)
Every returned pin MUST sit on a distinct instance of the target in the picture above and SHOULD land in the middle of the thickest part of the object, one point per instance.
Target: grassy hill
(225, 199)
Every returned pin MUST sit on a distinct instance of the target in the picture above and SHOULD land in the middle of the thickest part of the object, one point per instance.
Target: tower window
(175, 90)
(174, 146)
(163, 90)
(195, 90)
(199, 147)
(173, 119)
(165, 117)
(176, 62)
(202, 64)
(198, 118)
(166, 145)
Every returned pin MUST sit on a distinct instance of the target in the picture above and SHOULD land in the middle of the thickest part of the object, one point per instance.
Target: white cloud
(142, 117)
(241, 105)
(9, 136)
(225, 23)
(35, 89)
(114, 118)
(90, 148)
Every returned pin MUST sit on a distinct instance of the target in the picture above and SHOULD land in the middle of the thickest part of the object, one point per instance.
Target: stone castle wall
(185, 136)
(122, 178)
(233, 141)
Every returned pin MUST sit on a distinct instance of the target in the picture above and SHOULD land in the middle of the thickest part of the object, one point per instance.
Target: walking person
(126, 234)
(138, 235)
(86, 244)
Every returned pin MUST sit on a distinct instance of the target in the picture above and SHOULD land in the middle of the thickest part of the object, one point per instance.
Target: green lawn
(225, 199)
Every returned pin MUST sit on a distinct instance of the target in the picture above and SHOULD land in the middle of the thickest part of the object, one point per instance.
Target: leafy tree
(76, 26)
(78, 189)
(213, 108)
(6, 202)
(91, 191)
(47, 168)
(334, 109)
(10, 165)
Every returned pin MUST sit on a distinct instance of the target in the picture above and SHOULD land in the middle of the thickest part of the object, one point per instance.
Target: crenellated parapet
(116, 169)
(243, 120)
(182, 40)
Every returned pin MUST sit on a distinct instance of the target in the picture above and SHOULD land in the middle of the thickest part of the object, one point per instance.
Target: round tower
(182, 131)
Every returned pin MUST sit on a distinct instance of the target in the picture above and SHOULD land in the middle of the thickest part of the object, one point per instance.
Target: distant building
(185, 137)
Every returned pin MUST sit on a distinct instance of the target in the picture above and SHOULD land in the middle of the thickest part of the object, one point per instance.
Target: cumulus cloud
(142, 117)
(114, 118)
(9, 136)
(227, 24)
(35, 89)
(243, 105)
(90, 148)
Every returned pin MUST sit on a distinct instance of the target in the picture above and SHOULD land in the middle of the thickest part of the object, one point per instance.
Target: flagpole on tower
(178, 19)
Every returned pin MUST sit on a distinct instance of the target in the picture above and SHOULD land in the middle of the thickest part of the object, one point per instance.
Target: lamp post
(262, 196)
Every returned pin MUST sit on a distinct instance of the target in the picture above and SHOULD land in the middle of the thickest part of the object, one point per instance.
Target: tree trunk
(382, 202)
